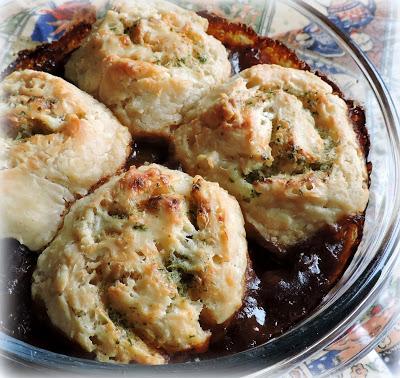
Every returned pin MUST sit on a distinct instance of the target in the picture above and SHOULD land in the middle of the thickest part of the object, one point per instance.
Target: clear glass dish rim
(357, 297)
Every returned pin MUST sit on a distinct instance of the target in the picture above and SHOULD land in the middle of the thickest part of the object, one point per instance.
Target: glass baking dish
(373, 264)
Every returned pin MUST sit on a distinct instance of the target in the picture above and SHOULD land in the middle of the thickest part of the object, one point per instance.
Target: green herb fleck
(140, 227)
(202, 58)
(181, 62)
(117, 215)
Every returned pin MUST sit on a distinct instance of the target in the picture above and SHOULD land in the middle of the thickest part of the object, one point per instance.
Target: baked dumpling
(56, 143)
(139, 261)
(147, 60)
(282, 143)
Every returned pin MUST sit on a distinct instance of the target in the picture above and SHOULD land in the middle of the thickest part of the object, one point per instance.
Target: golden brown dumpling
(56, 143)
(282, 143)
(147, 60)
(139, 260)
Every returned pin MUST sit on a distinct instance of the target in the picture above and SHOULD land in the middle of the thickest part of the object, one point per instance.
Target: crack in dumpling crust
(56, 143)
(140, 261)
(147, 60)
(279, 141)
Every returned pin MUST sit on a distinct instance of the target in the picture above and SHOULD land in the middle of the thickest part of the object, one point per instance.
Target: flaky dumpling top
(56, 143)
(147, 60)
(282, 143)
(140, 260)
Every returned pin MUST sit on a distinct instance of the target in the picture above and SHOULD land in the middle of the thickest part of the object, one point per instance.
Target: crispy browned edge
(51, 57)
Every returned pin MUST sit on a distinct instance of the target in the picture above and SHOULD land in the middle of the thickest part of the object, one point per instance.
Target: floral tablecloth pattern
(373, 24)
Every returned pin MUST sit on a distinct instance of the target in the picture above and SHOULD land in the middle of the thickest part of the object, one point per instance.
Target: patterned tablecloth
(375, 26)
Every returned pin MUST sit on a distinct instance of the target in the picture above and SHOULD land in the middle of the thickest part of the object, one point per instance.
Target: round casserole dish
(368, 273)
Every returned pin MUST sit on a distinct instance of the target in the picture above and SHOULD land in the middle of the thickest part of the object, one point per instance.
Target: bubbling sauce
(280, 293)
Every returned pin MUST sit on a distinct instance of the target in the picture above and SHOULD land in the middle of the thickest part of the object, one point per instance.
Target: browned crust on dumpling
(253, 49)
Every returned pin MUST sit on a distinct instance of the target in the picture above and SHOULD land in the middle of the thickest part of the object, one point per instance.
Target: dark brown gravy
(279, 293)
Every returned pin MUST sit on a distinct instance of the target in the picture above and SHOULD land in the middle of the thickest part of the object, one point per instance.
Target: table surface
(375, 26)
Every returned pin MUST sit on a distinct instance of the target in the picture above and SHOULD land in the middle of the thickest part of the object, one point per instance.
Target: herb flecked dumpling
(283, 144)
(139, 260)
(147, 60)
(56, 142)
